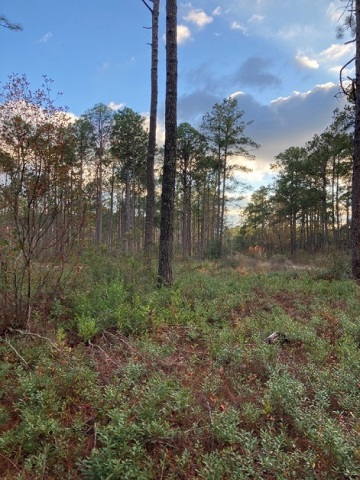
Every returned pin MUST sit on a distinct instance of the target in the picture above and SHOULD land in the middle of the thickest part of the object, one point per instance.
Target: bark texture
(150, 183)
(168, 185)
(356, 168)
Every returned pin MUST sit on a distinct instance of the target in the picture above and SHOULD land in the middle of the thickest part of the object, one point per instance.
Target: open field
(126, 381)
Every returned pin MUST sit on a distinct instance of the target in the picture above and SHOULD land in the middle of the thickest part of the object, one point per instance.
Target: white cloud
(284, 122)
(334, 12)
(347, 72)
(282, 100)
(217, 11)
(325, 86)
(46, 37)
(336, 51)
(116, 106)
(183, 34)
(71, 116)
(256, 19)
(237, 26)
(199, 17)
(236, 94)
(291, 32)
(160, 128)
(306, 62)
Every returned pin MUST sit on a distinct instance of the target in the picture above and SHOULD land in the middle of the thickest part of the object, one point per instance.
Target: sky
(279, 58)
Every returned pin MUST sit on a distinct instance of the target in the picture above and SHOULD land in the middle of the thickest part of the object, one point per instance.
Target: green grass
(130, 382)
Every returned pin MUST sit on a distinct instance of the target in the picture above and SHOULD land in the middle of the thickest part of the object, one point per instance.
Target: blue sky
(280, 58)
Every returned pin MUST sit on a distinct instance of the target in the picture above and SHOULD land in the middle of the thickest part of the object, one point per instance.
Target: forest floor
(122, 380)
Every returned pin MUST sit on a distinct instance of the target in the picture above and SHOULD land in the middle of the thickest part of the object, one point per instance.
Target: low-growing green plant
(181, 383)
(284, 394)
(87, 328)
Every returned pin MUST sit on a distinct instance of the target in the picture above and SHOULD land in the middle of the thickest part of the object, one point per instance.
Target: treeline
(69, 184)
(85, 181)
(308, 207)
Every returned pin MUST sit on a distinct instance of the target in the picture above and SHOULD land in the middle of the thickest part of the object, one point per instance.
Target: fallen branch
(106, 355)
(17, 353)
(22, 332)
(276, 337)
(10, 461)
(130, 347)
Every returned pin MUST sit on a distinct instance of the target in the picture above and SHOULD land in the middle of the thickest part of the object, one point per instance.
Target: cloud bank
(278, 125)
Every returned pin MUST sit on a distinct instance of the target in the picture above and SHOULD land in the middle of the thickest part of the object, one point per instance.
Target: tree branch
(148, 6)
(340, 76)
(17, 353)
(22, 332)
(4, 22)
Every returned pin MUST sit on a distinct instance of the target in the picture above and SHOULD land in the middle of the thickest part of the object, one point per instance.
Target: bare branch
(347, 63)
(16, 352)
(106, 355)
(148, 6)
(350, 90)
(4, 22)
(22, 332)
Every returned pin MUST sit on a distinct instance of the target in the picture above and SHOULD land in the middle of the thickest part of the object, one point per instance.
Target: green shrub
(87, 328)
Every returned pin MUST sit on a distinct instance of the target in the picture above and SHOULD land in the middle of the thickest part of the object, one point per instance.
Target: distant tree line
(308, 207)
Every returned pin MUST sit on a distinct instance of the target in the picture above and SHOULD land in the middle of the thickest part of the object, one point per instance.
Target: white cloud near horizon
(71, 116)
(116, 106)
(280, 124)
(160, 128)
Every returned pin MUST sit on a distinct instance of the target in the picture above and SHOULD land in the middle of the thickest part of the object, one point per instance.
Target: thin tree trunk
(150, 183)
(186, 226)
(168, 186)
(355, 227)
(99, 206)
(112, 181)
(127, 211)
(222, 213)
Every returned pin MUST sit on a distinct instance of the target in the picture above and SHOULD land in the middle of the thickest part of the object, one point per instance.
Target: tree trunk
(356, 168)
(222, 213)
(127, 225)
(186, 224)
(99, 206)
(112, 181)
(150, 183)
(168, 185)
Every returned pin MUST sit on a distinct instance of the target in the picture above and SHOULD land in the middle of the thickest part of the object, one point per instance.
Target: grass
(125, 381)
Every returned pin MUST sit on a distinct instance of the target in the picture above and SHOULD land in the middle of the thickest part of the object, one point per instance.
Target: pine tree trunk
(168, 185)
(150, 183)
(186, 225)
(99, 207)
(355, 227)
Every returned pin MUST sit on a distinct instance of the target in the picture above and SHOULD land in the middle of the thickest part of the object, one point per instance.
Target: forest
(143, 335)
